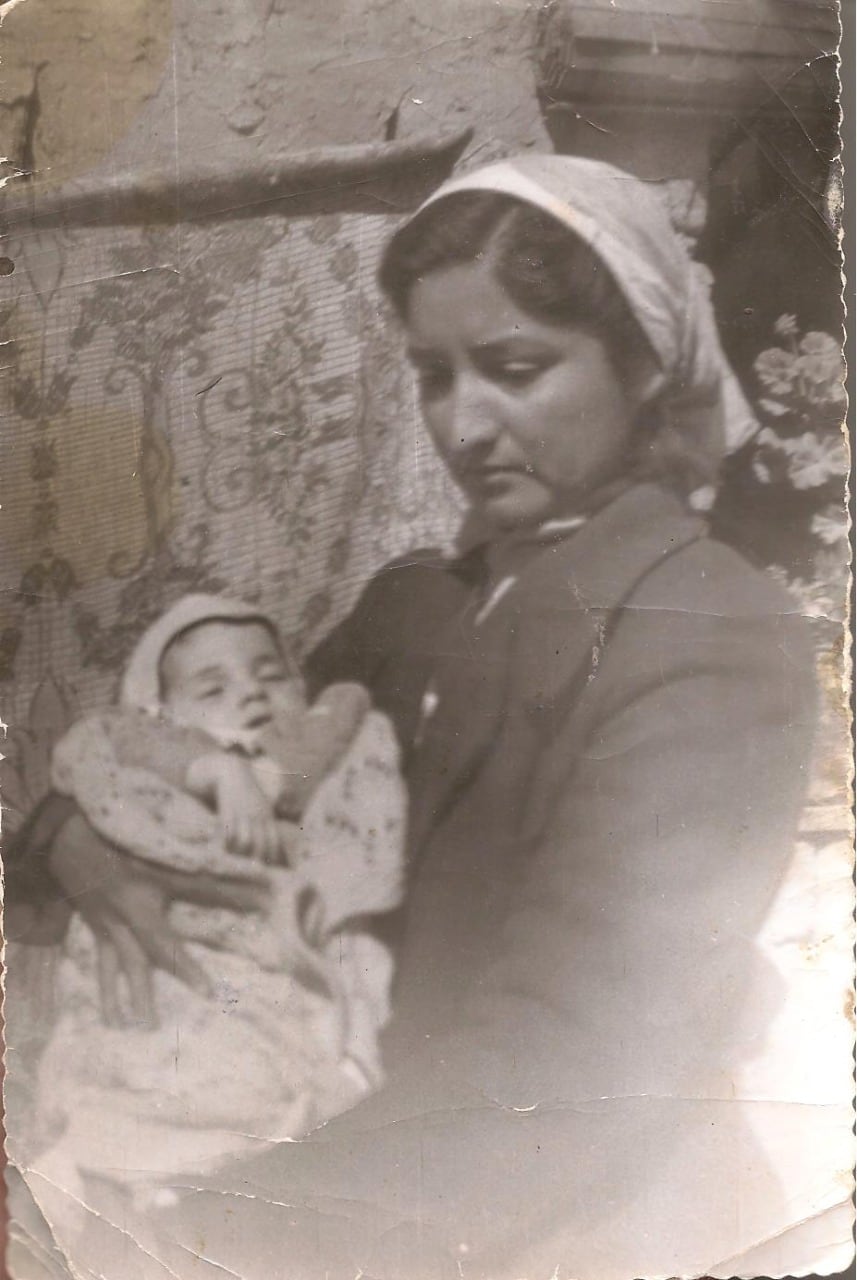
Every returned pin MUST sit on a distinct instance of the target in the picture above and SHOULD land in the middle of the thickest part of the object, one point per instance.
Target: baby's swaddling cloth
(291, 1036)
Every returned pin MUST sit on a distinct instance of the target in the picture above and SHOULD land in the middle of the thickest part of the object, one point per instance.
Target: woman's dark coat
(604, 803)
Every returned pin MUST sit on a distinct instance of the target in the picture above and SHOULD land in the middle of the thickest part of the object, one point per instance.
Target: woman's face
(529, 417)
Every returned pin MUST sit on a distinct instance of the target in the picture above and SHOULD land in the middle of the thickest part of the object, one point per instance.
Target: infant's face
(228, 678)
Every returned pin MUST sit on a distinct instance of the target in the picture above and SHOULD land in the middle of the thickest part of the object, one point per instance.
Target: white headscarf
(625, 223)
(141, 684)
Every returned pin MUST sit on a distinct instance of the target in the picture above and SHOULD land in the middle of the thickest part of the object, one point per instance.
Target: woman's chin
(514, 506)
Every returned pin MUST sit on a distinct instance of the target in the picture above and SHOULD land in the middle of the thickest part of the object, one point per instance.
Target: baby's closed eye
(209, 692)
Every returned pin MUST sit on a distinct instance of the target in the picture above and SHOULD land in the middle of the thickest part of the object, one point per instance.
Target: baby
(214, 762)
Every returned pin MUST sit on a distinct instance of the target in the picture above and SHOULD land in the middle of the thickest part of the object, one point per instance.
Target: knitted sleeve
(354, 827)
(129, 792)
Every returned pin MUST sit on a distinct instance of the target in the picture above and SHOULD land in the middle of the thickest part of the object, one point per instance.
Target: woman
(605, 716)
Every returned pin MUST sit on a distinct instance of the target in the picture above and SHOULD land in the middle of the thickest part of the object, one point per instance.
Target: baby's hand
(245, 812)
(248, 823)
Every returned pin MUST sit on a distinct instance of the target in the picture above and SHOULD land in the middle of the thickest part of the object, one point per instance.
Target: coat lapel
(536, 649)
(464, 707)
(573, 594)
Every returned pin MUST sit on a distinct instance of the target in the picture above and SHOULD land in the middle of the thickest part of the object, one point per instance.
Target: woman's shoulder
(707, 576)
(409, 574)
(704, 619)
(411, 592)
(704, 611)
(398, 615)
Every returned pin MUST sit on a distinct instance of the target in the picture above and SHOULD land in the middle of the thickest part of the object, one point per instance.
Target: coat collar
(542, 637)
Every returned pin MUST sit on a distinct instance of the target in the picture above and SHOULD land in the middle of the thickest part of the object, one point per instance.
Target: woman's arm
(137, 808)
(35, 910)
(385, 643)
(141, 741)
(388, 642)
(589, 1085)
(126, 901)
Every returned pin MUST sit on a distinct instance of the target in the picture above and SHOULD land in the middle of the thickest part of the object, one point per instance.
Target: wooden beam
(379, 177)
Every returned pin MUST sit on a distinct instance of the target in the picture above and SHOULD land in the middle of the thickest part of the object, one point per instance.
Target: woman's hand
(125, 902)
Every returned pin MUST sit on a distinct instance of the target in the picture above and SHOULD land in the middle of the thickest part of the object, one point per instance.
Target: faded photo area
(426, 828)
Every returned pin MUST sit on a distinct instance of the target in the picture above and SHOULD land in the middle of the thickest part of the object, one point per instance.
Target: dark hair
(545, 268)
(553, 275)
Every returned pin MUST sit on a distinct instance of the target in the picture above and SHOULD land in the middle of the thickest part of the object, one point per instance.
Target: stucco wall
(219, 404)
(155, 82)
(226, 402)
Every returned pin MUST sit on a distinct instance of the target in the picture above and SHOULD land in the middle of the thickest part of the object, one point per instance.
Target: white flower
(767, 436)
(814, 460)
(771, 447)
(761, 470)
(830, 525)
(703, 499)
(822, 368)
(814, 598)
(773, 407)
(786, 326)
(778, 370)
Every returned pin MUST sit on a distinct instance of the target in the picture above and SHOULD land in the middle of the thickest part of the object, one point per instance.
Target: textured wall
(223, 402)
(155, 82)
(220, 404)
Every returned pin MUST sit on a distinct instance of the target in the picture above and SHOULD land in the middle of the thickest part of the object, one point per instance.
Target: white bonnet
(141, 682)
(624, 221)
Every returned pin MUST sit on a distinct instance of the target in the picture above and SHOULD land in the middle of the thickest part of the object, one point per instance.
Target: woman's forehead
(466, 302)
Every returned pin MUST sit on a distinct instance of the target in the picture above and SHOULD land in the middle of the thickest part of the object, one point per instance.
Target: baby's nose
(253, 690)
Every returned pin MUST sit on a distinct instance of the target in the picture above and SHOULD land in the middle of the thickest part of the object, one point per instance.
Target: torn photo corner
(426, 780)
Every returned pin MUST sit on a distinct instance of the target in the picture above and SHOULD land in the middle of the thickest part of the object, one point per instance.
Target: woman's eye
(518, 373)
(433, 380)
(272, 675)
(211, 691)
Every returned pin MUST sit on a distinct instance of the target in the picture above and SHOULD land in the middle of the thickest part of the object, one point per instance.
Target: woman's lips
(495, 475)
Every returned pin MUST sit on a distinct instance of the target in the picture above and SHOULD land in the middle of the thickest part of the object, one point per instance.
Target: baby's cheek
(191, 714)
(205, 717)
(289, 696)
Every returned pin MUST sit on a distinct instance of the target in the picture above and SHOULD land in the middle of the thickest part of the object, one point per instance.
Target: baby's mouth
(258, 721)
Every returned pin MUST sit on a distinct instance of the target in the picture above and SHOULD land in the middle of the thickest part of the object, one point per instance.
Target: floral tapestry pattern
(217, 407)
(224, 406)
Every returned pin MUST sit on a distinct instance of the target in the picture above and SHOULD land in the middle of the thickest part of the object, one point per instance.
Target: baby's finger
(138, 974)
(231, 828)
(248, 838)
(280, 850)
(241, 831)
(244, 847)
(207, 890)
(107, 962)
(310, 913)
(186, 970)
(253, 839)
(288, 840)
(272, 843)
(165, 952)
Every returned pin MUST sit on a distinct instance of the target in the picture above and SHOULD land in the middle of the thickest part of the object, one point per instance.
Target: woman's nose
(473, 420)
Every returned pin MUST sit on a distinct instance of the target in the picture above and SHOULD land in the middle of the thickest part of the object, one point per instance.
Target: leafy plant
(800, 460)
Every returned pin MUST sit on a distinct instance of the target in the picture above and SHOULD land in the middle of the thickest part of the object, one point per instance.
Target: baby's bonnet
(141, 684)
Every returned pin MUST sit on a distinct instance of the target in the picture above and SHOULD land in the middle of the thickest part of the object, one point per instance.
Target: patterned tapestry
(216, 406)
(218, 401)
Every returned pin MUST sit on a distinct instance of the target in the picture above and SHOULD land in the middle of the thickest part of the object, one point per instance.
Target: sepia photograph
(425, 698)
